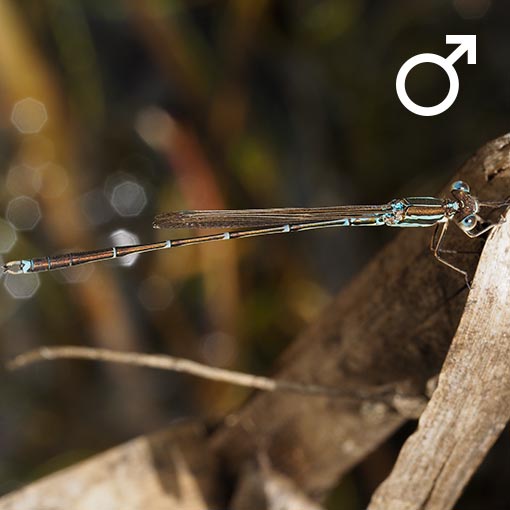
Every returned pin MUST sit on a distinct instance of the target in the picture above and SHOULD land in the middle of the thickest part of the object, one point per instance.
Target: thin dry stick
(406, 405)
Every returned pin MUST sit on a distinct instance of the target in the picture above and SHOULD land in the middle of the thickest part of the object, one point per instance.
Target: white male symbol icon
(467, 43)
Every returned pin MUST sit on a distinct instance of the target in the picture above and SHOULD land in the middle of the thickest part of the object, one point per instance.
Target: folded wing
(247, 218)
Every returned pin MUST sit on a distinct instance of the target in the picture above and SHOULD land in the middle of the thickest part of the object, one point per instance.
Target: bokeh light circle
(7, 236)
(128, 198)
(21, 286)
(29, 115)
(23, 213)
(124, 237)
(23, 180)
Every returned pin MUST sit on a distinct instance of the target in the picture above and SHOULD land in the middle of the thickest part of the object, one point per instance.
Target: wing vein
(241, 218)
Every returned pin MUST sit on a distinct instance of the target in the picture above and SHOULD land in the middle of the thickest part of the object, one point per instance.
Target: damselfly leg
(439, 235)
(435, 246)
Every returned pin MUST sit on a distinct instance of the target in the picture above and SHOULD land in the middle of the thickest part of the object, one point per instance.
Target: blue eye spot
(469, 222)
(460, 186)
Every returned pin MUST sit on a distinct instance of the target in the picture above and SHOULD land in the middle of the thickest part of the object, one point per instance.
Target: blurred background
(111, 112)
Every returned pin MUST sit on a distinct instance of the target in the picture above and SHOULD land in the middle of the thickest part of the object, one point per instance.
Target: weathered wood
(170, 469)
(471, 404)
(391, 326)
(261, 488)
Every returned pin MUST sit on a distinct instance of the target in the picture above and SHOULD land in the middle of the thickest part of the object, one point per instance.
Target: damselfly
(462, 208)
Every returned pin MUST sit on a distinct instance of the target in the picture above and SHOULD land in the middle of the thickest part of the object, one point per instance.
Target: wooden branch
(471, 404)
(261, 488)
(408, 406)
(391, 326)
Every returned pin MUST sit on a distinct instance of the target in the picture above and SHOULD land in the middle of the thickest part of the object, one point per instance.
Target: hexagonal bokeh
(7, 236)
(128, 198)
(23, 180)
(29, 115)
(123, 237)
(21, 286)
(23, 213)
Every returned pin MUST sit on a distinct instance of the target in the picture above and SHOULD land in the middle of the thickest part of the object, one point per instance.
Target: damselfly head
(467, 206)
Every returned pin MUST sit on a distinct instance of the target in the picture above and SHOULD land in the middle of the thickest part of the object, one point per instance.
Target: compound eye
(468, 223)
(460, 186)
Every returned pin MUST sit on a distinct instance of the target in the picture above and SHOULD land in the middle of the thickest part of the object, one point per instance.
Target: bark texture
(169, 469)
